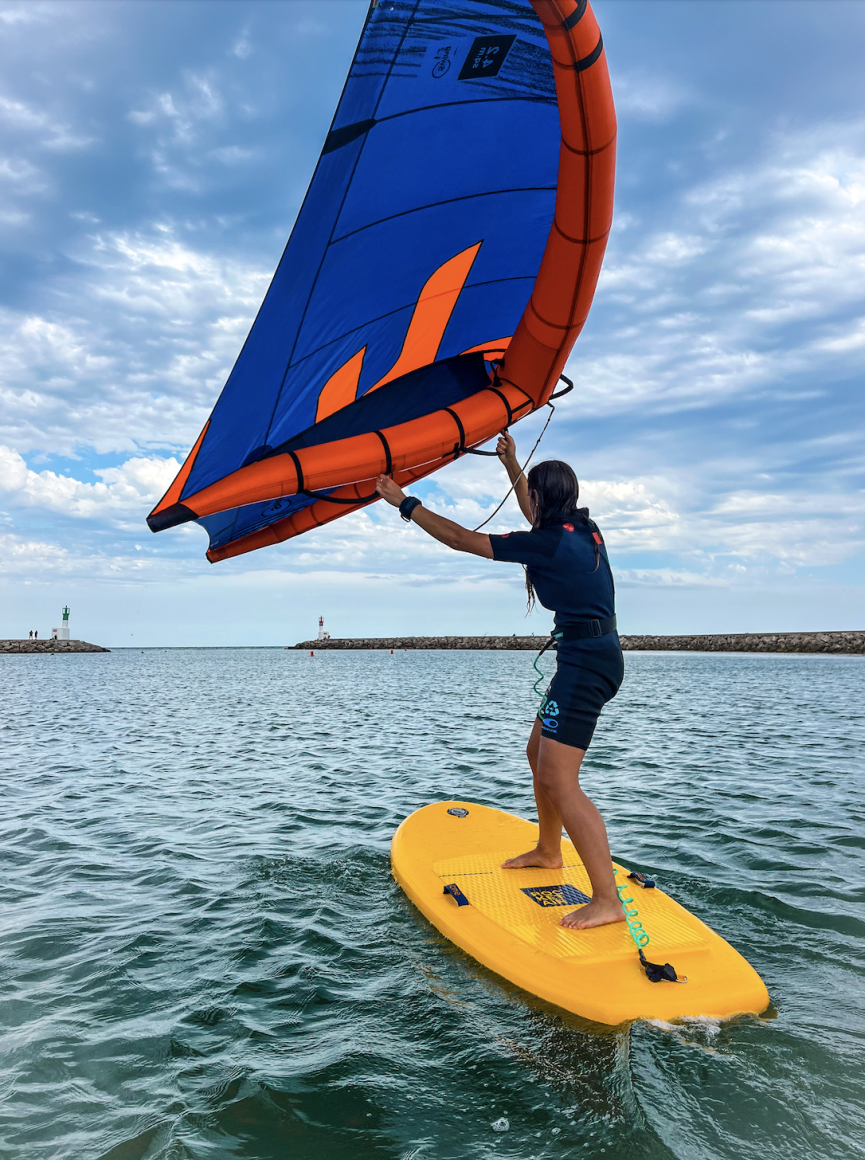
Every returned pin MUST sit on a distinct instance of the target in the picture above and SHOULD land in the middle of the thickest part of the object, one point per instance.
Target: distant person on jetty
(566, 565)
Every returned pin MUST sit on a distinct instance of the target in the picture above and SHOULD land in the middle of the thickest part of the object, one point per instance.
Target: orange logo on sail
(432, 313)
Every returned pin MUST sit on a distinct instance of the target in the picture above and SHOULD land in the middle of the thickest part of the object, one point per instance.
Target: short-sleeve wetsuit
(568, 566)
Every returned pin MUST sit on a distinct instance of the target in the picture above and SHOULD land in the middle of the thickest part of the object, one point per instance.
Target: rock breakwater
(49, 646)
(851, 643)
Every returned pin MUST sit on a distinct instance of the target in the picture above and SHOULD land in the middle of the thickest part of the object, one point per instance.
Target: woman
(566, 563)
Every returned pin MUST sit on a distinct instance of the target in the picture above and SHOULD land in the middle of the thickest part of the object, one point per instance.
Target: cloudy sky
(152, 159)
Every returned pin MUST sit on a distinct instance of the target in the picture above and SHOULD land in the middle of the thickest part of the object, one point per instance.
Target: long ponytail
(556, 491)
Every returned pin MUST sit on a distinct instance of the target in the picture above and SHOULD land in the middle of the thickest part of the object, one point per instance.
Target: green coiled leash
(655, 973)
(554, 639)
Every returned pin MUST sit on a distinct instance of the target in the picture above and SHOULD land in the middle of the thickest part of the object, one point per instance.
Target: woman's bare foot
(598, 912)
(534, 858)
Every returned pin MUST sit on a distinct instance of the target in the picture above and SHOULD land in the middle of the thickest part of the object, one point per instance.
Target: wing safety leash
(554, 639)
(323, 495)
(474, 451)
(655, 973)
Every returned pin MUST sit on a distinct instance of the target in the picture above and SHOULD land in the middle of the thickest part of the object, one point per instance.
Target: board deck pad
(448, 859)
(500, 895)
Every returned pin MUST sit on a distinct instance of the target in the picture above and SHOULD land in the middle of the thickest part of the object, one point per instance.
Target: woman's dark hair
(557, 492)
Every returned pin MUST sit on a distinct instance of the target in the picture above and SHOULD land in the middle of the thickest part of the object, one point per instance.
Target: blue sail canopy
(420, 239)
(428, 178)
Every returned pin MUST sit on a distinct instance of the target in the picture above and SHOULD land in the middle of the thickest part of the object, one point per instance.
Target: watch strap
(407, 507)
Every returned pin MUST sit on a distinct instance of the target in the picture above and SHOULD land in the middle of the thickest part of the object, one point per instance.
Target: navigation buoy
(311, 653)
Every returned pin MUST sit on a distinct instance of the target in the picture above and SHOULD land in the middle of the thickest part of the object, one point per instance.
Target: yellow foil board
(511, 924)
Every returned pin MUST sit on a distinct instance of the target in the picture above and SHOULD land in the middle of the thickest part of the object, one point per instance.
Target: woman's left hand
(389, 491)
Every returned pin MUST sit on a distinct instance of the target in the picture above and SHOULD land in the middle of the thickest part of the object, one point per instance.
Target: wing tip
(170, 517)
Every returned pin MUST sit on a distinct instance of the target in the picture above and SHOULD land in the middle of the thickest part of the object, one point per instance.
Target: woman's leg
(557, 777)
(548, 852)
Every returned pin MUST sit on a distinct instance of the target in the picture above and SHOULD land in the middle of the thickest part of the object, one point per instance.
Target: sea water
(204, 954)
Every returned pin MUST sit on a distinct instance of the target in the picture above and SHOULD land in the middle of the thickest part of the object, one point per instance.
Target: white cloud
(674, 249)
(182, 113)
(16, 172)
(136, 351)
(123, 492)
(232, 155)
(761, 280)
(649, 98)
(40, 127)
(25, 557)
(21, 115)
(242, 47)
(814, 530)
(852, 338)
(31, 13)
(31, 559)
(178, 125)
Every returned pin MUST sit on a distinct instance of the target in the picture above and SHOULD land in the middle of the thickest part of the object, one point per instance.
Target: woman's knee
(549, 781)
(558, 772)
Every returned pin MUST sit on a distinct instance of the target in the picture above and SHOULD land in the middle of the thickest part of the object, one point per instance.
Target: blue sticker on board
(564, 895)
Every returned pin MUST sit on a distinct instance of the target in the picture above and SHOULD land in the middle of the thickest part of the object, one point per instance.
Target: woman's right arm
(506, 449)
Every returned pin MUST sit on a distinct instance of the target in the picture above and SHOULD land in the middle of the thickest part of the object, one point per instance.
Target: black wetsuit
(568, 567)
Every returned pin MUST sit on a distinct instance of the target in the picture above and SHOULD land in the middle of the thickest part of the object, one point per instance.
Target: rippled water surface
(204, 955)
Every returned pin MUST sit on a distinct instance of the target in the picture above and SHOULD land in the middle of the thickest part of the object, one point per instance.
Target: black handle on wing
(334, 499)
(567, 389)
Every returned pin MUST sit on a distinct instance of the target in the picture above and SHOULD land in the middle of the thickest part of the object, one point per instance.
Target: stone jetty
(49, 646)
(849, 643)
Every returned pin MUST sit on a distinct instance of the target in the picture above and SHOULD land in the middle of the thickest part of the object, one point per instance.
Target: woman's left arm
(445, 531)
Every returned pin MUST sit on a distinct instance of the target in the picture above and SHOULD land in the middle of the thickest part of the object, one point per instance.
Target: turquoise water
(203, 953)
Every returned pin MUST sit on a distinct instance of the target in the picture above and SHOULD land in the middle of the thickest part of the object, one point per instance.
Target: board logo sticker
(486, 56)
(564, 895)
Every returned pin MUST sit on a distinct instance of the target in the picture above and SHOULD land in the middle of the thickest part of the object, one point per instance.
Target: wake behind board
(508, 920)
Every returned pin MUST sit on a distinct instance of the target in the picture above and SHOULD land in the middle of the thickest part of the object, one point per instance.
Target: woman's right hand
(389, 491)
(506, 448)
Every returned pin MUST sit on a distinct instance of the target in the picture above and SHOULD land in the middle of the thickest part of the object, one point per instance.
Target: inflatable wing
(458, 215)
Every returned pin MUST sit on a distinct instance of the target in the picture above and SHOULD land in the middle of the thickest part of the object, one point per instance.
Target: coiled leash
(655, 973)
(554, 639)
(579, 630)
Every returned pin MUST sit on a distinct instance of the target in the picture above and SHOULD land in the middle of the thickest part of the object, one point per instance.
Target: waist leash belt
(580, 630)
(583, 629)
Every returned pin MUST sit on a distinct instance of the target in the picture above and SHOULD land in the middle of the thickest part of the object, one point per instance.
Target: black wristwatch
(407, 507)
